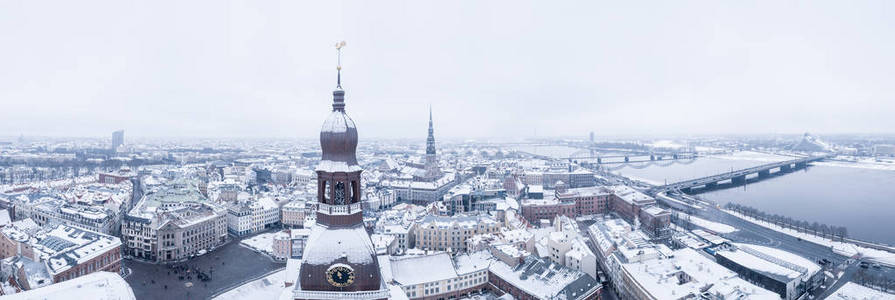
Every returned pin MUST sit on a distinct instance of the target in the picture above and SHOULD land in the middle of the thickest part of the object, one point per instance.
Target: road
(229, 266)
(608, 292)
(748, 232)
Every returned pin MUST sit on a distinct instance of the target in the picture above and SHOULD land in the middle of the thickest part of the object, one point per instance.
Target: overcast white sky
(489, 68)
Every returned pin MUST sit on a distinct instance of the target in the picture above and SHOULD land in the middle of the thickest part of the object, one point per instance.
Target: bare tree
(815, 227)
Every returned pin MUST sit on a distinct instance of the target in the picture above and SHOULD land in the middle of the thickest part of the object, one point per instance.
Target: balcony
(343, 210)
(380, 294)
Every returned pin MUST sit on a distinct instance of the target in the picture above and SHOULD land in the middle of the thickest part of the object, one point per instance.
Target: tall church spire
(430, 140)
(432, 171)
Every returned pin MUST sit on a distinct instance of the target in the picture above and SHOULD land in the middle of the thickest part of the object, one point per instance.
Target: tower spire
(430, 140)
(339, 46)
(339, 94)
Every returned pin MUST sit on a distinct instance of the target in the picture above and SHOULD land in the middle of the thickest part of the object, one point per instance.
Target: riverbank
(842, 248)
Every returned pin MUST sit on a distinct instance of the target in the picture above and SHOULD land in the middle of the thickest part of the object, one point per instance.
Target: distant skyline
(499, 68)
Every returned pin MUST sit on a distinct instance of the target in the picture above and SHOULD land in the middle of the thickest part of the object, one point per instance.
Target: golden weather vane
(339, 46)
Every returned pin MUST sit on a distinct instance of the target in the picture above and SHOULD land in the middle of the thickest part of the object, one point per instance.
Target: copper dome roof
(338, 139)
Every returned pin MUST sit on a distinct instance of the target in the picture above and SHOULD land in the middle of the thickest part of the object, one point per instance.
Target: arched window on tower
(339, 194)
(353, 191)
(327, 191)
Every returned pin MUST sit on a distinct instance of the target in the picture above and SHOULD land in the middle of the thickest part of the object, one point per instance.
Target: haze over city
(493, 69)
(451, 150)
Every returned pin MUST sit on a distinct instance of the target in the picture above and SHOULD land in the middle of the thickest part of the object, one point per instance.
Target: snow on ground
(753, 156)
(262, 242)
(860, 163)
(841, 248)
(706, 149)
(713, 226)
(635, 178)
(666, 144)
(268, 287)
(854, 291)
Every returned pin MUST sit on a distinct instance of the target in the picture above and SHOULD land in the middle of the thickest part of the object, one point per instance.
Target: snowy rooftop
(689, 273)
(545, 279)
(412, 270)
(74, 246)
(655, 211)
(630, 195)
(167, 197)
(96, 286)
(458, 221)
(472, 262)
(445, 179)
(540, 202)
(587, 191)
(321, 236)
(771, 261)
(710, 237)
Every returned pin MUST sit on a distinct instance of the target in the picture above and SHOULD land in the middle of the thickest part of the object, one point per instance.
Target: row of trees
(875, 280)
(815, 228)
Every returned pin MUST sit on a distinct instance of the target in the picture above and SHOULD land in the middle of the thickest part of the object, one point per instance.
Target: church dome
(338, 139)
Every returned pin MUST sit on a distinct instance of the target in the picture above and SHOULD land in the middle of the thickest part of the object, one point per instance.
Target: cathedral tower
(339, 260)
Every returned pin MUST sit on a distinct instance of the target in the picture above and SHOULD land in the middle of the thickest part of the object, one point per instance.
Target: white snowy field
(854, 291)
(841, 248)
(262, 242)
(710, 225)
(860, 163)
(753, 156)
(268, 287)
(635, 178)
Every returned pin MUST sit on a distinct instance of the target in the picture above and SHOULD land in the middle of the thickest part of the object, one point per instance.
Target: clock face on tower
(340, 275)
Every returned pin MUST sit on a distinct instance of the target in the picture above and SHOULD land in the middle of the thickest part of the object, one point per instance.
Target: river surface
(861, 199)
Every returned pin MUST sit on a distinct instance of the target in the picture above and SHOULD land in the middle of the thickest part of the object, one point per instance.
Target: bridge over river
(738, 177)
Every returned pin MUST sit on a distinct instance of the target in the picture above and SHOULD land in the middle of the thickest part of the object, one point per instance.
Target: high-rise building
(339, 260)
(117, 139)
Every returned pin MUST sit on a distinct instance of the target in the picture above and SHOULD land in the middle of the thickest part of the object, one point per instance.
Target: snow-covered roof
(631, 195)
(326, 245)
(472, 262)
(770, 261)
(689, 273)
(544, 279)
(96, 286)
(412, 270)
